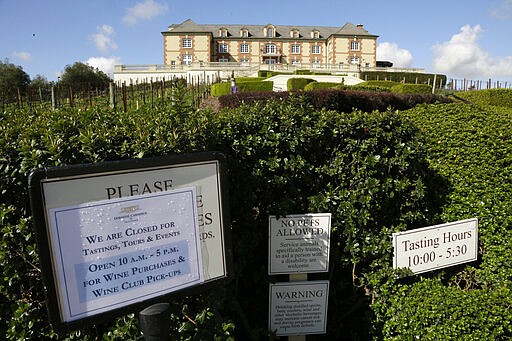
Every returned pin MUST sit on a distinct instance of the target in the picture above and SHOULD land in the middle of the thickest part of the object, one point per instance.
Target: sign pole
(154, 322)
(297, 278)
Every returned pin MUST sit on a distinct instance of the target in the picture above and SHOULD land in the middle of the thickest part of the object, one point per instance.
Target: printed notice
(111, 253)
(435, 247)
(298, 308)
(299, 243)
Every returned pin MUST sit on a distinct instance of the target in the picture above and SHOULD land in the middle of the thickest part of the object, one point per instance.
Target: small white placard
(298, 308)
(299, 243)
(436, 247)
(111, 253)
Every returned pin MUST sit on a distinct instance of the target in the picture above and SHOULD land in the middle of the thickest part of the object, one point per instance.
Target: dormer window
(223, 32)
(315, 34)
(270, 31)
(244, 33)
(294, 34)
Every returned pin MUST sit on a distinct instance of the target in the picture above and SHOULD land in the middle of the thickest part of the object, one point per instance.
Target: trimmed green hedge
(497, 97)
(224, 88)
(409, 77)
(411, 89)
(376, 172)
(320, 85)
(294, 84)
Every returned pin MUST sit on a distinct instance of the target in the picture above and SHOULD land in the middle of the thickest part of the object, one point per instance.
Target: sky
(459, 38)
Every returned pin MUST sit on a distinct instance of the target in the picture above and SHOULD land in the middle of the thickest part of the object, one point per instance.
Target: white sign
(435, 247)
(204, 176)
(299, 243)
(298, 308)
(111, 253)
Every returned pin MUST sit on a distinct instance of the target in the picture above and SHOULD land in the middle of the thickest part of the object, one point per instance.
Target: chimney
(359, 25)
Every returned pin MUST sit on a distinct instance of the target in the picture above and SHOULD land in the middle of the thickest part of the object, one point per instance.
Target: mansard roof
(257, 31)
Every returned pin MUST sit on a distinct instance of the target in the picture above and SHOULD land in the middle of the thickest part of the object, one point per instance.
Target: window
(244, 48)
(354, 45)
(244, 33)
(270, 49)
(354, 60)
(315, 49)
(270, 32)
(223, 48)
(245, 62)
(295, 61)
(186, 43)
(186, 59)
(295, 49)
(315, 34)
(223, 60)
(316, 63)
(223, 32)
(294, 34)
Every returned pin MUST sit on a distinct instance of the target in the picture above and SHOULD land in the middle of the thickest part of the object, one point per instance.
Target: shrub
(377, 84)
(254, 86)
(320, 85)
(219, 89)
(497, 97)
(224, 88)
(411, 89)
(294, 84)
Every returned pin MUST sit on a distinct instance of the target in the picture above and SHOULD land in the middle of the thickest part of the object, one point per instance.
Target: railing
(254, 67)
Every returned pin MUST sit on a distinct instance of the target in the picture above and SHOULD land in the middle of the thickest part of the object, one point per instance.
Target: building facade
(189, 43)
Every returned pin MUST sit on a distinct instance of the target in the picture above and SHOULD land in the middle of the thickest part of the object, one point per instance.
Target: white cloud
(145, 10)
(391, 52)
(104, 38)
(104, 64)
(462, 56)
(503, 11)
(25, 56)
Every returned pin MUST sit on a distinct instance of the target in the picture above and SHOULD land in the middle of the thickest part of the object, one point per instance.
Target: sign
(436, 247)
(115, 235)
(299, 243)
(114, 252)
(298, 308)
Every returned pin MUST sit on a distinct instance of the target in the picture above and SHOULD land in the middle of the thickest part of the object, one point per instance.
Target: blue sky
(459, 38)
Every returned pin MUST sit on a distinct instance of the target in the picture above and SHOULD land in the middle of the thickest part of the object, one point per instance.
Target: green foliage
(268, 73)
(294, 84)
(405, 77)
(219, 89)
(471, 147)
(12, 79)
(78, 74)
(254, 86)
(378, 84)
(411, 89)
(497, 97)
(320, 85)
(376, 172)
(224, 88)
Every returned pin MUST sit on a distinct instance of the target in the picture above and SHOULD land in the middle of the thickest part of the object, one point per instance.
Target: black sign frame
(38, 207)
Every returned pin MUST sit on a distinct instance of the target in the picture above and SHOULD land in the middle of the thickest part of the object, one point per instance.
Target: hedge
(320, 85)
(496, 97)
(472, 149)
(376, 172)
(411, 89)
(294, 84)
(224, 88)
(409, 77)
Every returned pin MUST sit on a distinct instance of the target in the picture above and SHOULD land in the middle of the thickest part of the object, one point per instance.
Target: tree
(39, 81)
(12, 79)
(80, 74)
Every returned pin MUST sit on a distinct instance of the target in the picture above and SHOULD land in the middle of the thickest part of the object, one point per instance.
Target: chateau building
(321, 46)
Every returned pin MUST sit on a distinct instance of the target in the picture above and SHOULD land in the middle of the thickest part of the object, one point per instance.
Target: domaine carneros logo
(130, 214)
